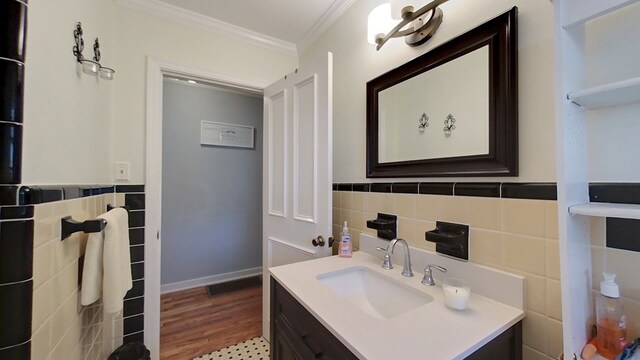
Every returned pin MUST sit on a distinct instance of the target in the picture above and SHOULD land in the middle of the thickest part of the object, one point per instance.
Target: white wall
(140, 35)
(67, 124)
(212, 195)
(356, 62)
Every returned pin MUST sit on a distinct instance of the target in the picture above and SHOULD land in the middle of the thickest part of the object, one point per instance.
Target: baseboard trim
(208, 280)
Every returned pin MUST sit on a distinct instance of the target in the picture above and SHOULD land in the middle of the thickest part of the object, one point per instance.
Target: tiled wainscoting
(513, 227)
(57, 325)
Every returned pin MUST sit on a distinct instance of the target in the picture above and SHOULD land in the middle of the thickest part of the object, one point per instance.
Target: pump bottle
(345, 248)
(610, 318)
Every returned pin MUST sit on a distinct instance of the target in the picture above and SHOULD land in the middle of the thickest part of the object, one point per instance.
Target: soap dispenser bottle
(610, 318)
(345, 248)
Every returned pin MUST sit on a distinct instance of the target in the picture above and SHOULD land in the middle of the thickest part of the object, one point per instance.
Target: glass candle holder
(456, 293)
(90, 67)
(107, 73)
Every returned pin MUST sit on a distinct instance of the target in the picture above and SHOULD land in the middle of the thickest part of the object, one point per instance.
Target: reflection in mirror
(450, 112)
(459, 88)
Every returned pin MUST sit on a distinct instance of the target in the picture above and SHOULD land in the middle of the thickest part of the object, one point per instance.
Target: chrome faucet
(406, 271)
(428, 276)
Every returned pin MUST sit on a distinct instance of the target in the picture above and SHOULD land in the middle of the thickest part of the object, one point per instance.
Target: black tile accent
(8, 195)
(72, 192)
(133, 324)
(381, 187)
(137, 337)
(136, 236)
(136, 218)
(623, 234)
(624, 193)
(11, 90)
(16, 251)
(533, 191)
(18, 352)
(129, 188)
(137, 271)
(477, 189)
(107, 189)
(405, 188)
(16, 212)
(335, 187)
(362, 187)
(436, 188)
(137, 253)
(345, 187)
(13, 27)
(39, 194)
(10, 153)
(133, 307)
(15, 313)
(134, 201)
(136, 290)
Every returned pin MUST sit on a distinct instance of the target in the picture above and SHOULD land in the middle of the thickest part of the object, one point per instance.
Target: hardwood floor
(192, 324)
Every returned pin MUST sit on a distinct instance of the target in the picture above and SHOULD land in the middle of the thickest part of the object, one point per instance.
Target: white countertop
(430, 331)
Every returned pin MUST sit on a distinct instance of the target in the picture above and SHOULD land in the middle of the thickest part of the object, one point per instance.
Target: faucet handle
(428, 275)
(386, 264)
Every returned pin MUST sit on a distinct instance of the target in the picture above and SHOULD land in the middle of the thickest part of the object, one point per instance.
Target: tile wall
(516, 235)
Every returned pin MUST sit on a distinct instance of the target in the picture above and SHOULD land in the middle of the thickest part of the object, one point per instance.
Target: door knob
(318, 242)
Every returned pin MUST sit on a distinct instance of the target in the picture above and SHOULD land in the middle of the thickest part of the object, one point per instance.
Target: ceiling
(292, 21)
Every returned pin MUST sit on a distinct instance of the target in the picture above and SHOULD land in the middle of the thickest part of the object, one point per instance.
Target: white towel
(107, 263)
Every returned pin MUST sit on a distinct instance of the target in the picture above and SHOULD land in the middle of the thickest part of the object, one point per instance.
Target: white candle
(456, 297)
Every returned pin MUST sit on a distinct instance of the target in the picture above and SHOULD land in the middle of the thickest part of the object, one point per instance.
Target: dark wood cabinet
(298, 335)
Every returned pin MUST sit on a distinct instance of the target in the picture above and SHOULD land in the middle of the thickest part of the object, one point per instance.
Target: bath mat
(221, 288)
(254, 349)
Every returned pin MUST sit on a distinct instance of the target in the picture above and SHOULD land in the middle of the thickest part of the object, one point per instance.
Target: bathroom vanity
(314, 314)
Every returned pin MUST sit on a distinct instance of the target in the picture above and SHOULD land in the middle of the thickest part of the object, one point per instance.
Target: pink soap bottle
(345, 248)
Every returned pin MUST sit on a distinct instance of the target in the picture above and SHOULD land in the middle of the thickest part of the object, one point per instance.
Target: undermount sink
(373, 293)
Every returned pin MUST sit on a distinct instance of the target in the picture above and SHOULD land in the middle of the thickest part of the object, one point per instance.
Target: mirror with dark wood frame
(497, 129)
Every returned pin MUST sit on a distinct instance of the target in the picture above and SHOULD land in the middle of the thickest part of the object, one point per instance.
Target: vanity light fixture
(424, 122)
(417, 27)
(90, 67)
(449, 125)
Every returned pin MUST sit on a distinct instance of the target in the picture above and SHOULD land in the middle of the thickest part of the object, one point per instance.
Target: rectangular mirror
(451, 111)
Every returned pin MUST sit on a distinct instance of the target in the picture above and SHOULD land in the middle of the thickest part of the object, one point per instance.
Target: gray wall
(211, 196)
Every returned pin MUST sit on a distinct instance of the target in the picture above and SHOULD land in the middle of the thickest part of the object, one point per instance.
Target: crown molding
(327, 19)
(174, 13)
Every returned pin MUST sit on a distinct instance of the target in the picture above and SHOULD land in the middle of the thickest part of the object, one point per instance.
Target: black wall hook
(70, 226)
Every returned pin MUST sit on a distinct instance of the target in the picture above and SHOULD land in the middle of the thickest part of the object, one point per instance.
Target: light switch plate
(121, 170)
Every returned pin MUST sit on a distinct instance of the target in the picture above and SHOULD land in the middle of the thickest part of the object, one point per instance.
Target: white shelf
(624, 211)
(614, 94)
(580, 11)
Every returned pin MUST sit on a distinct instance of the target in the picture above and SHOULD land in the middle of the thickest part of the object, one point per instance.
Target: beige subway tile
(64, 284)
(371, 202)
(347, 215)
(626, 266)
(355, 239)
(632, 311)
(554, 329)
(534, 331)
(485, 246)
(66, 251)
(426, 207)
(369, 216)
(406, 205)
(336, 197)
(43, 267)
(63, 317)
(44, 224)
(406, 229)
(358, 221)
(66, 348)
(43, 304)
(553, 259)
(347, 200)
(485, 213)
(535, 293)
(337, 216)
(597, 266)
(358, 201)
(525, 217)
(451, 209)
(119, 199)
(532, 354)
(597, 231)
(552, 219)
(554, 300)
(524, 253)
(423, 226)
(40, 341)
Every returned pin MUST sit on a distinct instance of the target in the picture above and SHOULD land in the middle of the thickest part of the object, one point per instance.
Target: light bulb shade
(379, 22)
(90, 67)
(107, 73)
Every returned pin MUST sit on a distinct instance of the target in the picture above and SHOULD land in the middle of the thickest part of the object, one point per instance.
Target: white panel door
(297, 169)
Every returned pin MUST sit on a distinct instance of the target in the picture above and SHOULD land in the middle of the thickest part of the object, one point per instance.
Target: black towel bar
(70, 226)
(111, 207)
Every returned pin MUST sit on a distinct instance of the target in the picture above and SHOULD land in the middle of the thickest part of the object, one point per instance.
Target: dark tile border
(623, 193)
(17, 352)
(8, 195)
(436, 188)
(133, 324)
(10, 152)
(37, 194)
(382, 187)
(362, 187)
(16, 212)
(129, 188)
(16, 251)
(477, 189)
(15, 313)
(535, 191)
(405, 188)
(623, 234)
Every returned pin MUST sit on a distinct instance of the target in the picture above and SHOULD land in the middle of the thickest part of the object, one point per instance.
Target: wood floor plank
(192, 324)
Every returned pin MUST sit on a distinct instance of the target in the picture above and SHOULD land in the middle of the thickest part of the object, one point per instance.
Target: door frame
(156, 70)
